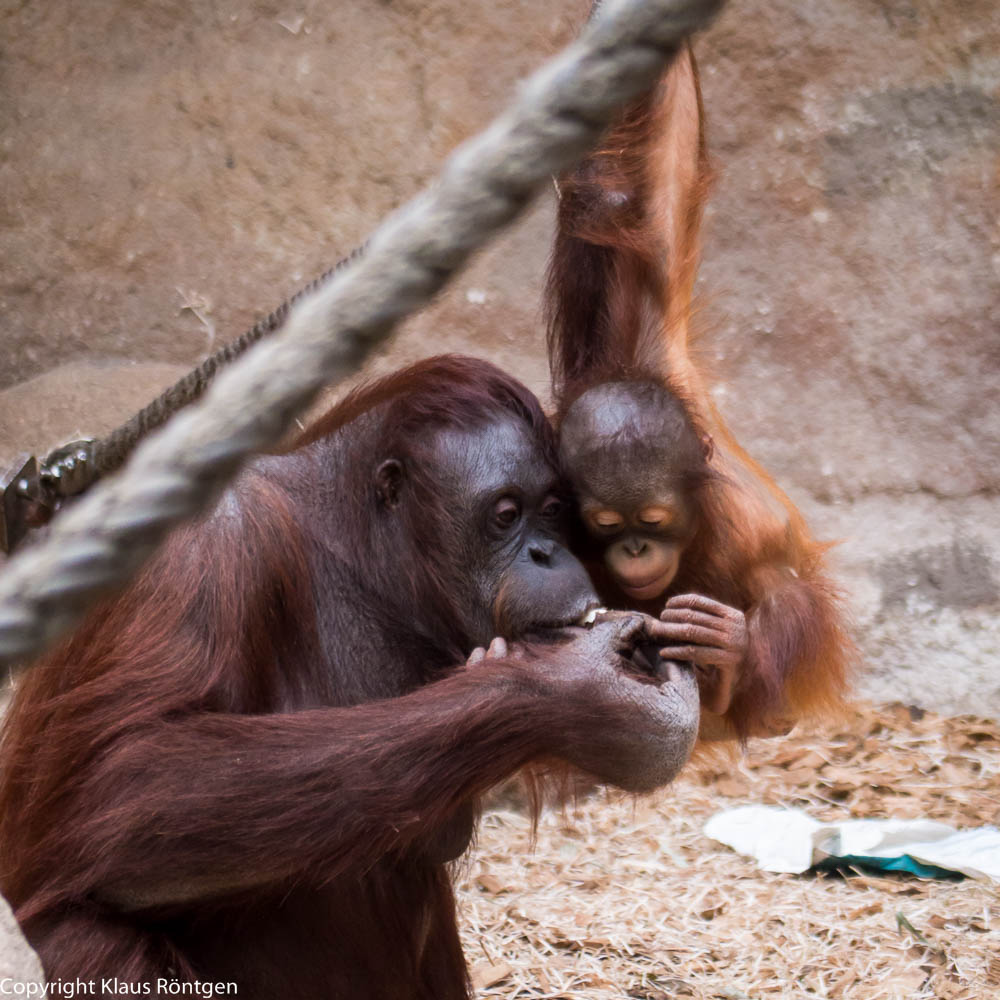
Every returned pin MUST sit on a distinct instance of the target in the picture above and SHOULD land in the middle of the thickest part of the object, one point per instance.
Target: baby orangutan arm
(784, 657)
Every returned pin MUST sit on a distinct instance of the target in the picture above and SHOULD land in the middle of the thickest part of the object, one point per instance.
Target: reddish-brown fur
(237, 770)
(619, 304)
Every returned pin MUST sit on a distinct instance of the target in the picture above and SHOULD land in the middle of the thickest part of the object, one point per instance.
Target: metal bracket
(24, 504)
(67, 471)
(30, 496)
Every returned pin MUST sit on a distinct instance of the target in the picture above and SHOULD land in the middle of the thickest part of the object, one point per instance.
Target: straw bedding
(624, 898)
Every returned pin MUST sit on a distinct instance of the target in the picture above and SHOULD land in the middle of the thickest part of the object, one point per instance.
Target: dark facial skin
(512, 510)
(631, 454)
(643, 538)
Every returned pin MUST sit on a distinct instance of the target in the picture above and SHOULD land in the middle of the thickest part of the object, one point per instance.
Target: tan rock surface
(171, 171)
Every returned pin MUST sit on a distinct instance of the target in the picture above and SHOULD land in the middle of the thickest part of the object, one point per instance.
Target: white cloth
(789, 840)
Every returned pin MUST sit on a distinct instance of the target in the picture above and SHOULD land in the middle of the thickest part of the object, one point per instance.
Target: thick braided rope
(180, 470)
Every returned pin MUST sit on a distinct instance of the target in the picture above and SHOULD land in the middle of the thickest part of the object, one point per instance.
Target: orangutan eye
(655, 516)
(606, 520)
(506, 512)
(552, 508)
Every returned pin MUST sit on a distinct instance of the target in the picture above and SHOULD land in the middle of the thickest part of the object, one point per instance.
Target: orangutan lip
(646, 591)
(590, 613)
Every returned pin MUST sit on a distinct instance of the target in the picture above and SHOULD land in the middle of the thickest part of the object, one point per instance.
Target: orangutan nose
(541, 552)
(634, 546)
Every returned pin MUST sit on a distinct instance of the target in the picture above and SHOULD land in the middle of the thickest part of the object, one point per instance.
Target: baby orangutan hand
(712, 636)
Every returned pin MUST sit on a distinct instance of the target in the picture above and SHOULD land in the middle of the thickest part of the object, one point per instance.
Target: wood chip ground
(626, 898)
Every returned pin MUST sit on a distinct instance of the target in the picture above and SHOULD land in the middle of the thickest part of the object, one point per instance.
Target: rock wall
(171, 171)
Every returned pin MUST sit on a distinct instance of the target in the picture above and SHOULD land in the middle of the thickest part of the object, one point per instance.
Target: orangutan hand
(499, 649)
(712, 636)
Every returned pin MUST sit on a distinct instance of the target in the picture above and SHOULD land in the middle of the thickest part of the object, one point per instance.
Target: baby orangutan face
(642, 541)
(632, 456)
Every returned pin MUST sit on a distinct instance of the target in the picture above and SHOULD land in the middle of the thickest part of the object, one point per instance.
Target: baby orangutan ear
(389, 482)
(707, 447)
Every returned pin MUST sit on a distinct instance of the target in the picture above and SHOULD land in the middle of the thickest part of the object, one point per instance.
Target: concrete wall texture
(171, 171)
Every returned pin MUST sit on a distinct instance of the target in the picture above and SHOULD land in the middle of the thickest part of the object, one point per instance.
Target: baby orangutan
(644, 485)
(677, 520)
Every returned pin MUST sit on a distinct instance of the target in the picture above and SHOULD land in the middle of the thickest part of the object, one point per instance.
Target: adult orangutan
(253, 765)
(678, 520)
